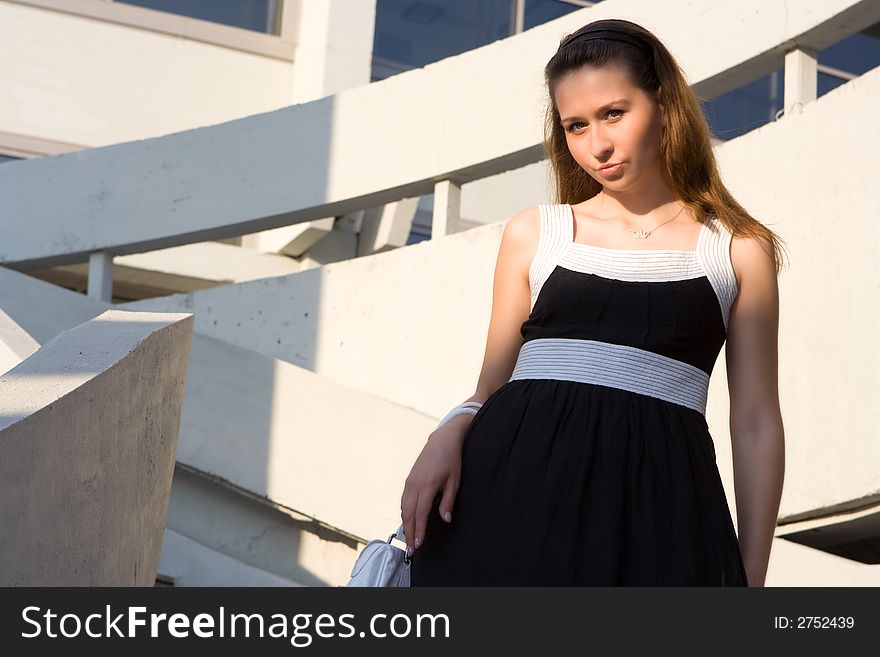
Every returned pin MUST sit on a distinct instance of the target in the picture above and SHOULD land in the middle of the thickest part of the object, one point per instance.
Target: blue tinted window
(258, 15)
(538, 12)
(742, 110)
(751, 106)
(412, 34)
(853, 56)
(856, 54)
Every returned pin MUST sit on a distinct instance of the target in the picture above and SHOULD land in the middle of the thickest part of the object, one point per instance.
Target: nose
(600, 147)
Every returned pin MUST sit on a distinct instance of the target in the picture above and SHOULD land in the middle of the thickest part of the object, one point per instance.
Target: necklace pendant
(641, 234)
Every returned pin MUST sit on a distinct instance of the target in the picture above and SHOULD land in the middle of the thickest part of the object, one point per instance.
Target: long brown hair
(687, 161)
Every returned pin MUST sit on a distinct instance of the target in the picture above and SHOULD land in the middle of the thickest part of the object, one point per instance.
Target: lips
(609, 165)
(609, 171)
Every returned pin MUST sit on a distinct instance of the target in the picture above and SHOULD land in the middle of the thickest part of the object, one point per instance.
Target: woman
(585, 457)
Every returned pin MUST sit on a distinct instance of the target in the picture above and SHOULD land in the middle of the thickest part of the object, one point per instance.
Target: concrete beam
(88, 434)
(801, 79)
(386, 227)
(447, 209)
(101, 276)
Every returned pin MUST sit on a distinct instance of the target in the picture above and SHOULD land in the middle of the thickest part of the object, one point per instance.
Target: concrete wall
(334, 46)
(408, 325)
(91, 82)
(282, 432)
(796, 565)
(88, 433)
(26, 301)
(16, 344)
(103, 83)
(188, 563)
(223, 520)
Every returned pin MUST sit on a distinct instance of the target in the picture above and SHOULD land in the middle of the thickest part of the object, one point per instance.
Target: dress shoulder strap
(714, 253)
(556, 233)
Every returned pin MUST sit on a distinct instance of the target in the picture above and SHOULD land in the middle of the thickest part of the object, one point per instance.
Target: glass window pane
(826, 83)
(257, 15)
(538, 12)
(757, 103)
(742, 110)
(423, 220)
(413, 34)
(856, 54)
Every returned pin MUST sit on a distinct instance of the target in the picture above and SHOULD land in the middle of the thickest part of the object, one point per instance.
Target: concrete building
(324, 183)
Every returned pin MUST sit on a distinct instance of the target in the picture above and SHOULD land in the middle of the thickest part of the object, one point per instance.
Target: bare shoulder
(519, 242)
(523, 227)
(521, 233)
(752, 257)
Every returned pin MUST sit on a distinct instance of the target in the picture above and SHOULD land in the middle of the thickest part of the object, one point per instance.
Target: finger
(448, 499)
(423, 508)
(407, 515)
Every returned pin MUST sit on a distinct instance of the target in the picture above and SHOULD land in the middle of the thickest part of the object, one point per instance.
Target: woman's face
(608, 120)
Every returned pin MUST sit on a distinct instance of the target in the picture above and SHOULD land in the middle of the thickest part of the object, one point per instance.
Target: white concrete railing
(88, 434)
(249, 174)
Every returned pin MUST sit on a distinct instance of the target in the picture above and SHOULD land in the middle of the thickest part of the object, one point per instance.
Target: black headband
(614, 35)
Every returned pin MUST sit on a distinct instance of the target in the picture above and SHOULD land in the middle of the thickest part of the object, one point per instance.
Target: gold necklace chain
(643, 234)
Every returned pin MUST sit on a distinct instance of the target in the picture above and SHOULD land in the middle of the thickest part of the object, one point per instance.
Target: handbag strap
(397, 539)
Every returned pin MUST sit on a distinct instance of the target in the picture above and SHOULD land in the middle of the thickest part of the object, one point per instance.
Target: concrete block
(88, 436)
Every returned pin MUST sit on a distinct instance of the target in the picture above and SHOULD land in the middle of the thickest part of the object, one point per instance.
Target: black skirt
(572, 484)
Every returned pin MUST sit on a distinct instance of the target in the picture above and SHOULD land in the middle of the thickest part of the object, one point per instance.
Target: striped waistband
(614, 365)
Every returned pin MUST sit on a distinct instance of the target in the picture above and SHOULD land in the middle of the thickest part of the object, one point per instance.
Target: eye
(572, 127)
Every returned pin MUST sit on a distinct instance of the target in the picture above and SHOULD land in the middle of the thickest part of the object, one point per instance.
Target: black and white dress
(594, 465)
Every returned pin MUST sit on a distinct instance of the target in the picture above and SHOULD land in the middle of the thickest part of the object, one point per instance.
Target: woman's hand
(437, 467)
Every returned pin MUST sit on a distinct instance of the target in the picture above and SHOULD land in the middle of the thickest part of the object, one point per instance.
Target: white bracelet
(468, 407)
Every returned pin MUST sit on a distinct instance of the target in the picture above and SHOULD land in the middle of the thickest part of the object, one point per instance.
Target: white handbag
(382, 563)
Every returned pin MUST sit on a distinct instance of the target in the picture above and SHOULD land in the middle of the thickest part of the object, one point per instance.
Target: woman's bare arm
(438, 465)
(756, 427)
